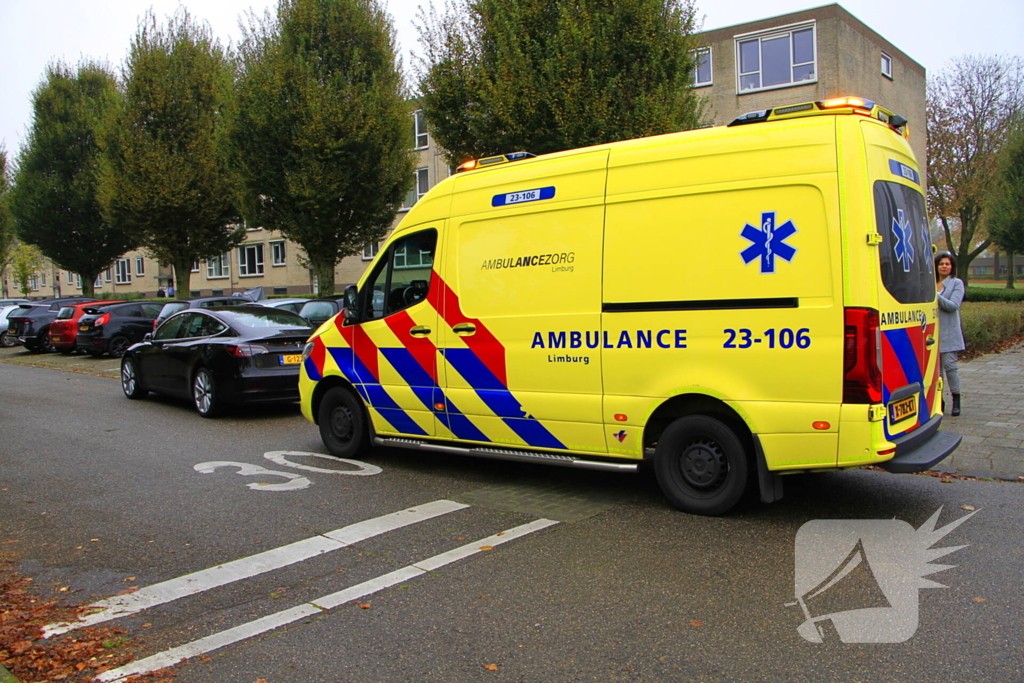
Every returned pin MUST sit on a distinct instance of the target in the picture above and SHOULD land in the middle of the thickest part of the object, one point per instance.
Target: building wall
(848, 62)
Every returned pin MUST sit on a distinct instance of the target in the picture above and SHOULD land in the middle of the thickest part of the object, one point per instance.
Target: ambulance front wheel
(701, 465)
(342, 423)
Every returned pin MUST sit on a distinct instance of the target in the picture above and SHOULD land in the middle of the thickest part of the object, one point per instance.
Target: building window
(99, 282)
(218, 267)
(776, 58)
(78, 281)
(122, 272)
(420, 189)
(140, 266)
(42, 279)
(702, 70)
(107, 275)
(419, 129)
(277, 255)
(250, 260)
(33, 282)
(370, 250)
(195, 266)
(887, 66)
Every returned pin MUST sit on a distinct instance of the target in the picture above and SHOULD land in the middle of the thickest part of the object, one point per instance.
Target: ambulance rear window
(905, 254)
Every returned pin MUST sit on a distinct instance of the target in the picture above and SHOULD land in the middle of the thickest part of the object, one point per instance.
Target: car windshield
(66, 313)
(170, 309)
(260, 317)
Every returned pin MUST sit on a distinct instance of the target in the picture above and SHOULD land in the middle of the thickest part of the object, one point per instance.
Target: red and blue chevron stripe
(907, 359)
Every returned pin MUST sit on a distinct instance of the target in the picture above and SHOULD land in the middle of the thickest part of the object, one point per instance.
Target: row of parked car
(214, 351)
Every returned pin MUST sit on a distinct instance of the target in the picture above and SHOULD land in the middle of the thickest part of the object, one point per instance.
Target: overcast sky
(35, 32)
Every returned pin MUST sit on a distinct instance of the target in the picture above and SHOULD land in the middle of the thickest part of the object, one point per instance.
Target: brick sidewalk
(992, 422)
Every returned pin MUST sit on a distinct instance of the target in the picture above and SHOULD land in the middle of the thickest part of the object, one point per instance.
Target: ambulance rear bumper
(922, 449)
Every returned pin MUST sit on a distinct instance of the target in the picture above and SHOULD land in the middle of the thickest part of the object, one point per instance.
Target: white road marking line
(216, 641)
(246, 567)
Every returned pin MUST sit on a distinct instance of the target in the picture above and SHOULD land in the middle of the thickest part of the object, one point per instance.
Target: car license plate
(82, 328)
(902, 409)
(55, 337)
(291, 360)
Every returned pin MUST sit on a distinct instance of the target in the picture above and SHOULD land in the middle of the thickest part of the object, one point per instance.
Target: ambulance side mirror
(351, 312)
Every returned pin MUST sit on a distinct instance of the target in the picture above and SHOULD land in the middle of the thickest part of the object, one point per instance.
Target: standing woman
(950, 290)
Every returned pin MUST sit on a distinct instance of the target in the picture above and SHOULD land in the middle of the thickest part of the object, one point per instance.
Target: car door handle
(931, 340)
(464, 329)
(420, 331)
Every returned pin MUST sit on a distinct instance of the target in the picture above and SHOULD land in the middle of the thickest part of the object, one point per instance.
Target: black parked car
(215, 357)
(30, 323)
(112, 329)
(172, 307)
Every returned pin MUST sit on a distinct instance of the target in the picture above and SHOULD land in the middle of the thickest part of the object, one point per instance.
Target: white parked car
(6, 306)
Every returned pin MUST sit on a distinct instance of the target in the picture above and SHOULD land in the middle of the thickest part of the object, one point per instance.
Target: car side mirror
(148, 337)
(351, 311)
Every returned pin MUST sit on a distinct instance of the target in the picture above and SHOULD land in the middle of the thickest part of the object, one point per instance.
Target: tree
(546, 75)
(6, 228)
(166, 176)
(54, 201)
(971, 106)
(25, 261)
(321, 135)
(1005, 210)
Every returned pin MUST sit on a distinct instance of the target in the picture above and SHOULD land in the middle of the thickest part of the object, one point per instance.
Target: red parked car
(64, 330)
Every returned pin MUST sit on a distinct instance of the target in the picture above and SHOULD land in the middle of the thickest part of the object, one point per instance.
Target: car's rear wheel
(701, 465)
(204, 394)
(118, 345)
(130, 379)
(44, 345)
(6, 340)
(343, 423)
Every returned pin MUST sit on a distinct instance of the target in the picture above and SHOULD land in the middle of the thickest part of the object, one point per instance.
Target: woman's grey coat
(951, 339)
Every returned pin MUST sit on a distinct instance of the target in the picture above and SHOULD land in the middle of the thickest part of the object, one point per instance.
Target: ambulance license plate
(902, 409)
(291, 360)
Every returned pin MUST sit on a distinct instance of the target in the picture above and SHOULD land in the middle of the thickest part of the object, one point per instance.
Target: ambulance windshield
(905, 253)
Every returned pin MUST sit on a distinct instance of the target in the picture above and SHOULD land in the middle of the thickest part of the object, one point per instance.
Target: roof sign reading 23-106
(523, 196)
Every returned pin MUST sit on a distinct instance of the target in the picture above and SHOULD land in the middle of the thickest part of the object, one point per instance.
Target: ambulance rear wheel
(701, 465)
(342, 423)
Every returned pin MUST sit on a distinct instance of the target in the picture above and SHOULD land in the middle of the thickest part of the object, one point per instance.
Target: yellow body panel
(577, 299)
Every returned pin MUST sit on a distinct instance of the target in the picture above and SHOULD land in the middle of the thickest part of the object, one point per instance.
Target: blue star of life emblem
(768, 242)
(903, 249)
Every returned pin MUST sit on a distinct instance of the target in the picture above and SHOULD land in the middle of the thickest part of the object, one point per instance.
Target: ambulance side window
(402, 277)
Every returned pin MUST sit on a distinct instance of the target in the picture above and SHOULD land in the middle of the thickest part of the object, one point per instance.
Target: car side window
(402, 277)
(170, 328)
(133, 311)
(151, 310)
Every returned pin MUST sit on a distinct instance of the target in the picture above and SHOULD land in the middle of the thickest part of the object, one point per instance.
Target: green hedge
(989, 326)
(992, 294)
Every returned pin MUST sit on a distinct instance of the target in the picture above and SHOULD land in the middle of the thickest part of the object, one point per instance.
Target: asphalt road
(96, 489)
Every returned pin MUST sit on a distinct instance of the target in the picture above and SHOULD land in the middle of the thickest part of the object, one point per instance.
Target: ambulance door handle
(464, 329)
(931, 340)
(420, 331)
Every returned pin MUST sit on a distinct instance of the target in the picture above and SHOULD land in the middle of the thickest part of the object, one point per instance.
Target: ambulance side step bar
(508, 454)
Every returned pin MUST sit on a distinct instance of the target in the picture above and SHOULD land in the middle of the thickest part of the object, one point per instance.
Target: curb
(6, 676)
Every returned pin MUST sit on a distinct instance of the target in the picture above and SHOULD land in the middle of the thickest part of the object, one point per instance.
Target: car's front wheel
(701, 465)
(130, 383)
(205, 396)
(342, 423)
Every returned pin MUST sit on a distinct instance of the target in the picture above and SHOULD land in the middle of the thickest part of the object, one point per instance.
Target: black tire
(205, 396)
(44, 345)
(6, 340)
(130, 383)
(118, 345)
(701, 465)
(65, 351)
(342, 421)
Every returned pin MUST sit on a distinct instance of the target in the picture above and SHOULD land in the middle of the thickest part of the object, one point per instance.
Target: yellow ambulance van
(731, 303)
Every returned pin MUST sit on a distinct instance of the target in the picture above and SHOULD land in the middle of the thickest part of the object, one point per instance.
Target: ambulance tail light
(862, 356)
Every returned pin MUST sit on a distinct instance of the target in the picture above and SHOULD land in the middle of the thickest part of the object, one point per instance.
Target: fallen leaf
(64, 589)
(94, 540)
(261, 680)
(979, 599)
(491, 667)
(968, 507)
(695, 623)
(364, 605)
(946, 481)
(487, 547)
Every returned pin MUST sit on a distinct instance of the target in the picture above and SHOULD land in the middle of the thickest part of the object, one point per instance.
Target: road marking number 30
(295, 482)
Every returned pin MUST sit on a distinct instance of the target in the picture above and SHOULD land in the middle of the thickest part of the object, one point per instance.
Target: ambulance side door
(395, 344)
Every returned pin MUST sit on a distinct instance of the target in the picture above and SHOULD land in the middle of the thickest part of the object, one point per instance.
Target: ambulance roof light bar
(486, 162)
(844, 105)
